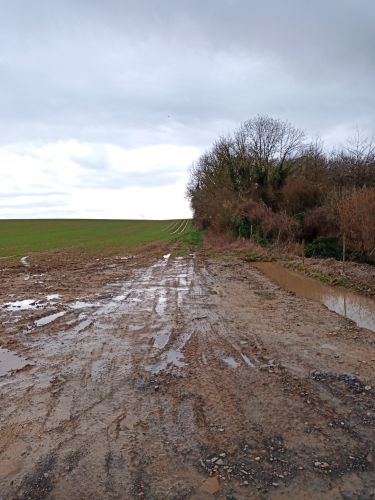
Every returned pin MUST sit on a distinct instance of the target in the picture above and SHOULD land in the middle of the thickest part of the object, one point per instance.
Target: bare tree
(270, 143)
(211, 187)
(354, 165)
(361, 149)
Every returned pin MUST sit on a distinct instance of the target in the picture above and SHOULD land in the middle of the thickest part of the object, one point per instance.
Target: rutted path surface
(165, 376)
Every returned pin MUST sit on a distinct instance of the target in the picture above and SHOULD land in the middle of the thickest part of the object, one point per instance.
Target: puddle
(48, 319)
(161, 339)
(247, 360)
(161, 303)
(21, 305)
(82, 305)
(183, 282)
(231, 362)
(172, 357)
(82, 326)
(349, 304)
(120, 298)
(10, 362)
(24, 261)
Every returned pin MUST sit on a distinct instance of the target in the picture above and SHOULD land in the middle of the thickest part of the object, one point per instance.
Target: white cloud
(73, 179)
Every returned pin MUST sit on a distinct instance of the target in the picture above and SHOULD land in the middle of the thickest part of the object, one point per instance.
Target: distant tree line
(265, 182)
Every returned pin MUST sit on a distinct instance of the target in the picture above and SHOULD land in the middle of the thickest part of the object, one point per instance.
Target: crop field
(18, 237)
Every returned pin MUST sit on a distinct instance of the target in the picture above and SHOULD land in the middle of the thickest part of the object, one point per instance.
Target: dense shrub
(321, 221)
(299, 194)
(357, 221)
(241, 226)
(279, 227)
(268, 225)
(324, 247)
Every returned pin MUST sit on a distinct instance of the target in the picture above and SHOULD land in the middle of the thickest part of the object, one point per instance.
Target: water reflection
(356, 307)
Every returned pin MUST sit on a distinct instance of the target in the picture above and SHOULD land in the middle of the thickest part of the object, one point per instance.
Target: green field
(20, 237)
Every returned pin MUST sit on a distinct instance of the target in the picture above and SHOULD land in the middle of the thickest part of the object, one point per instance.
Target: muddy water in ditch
(349, 304)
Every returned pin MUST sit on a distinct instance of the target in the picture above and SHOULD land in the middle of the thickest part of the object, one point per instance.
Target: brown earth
(176, 378)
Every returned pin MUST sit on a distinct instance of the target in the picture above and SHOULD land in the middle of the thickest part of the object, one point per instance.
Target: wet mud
(180, 378)
(10, 362)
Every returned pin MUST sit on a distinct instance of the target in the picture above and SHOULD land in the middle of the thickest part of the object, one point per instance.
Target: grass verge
(188, 242)
(331, 279)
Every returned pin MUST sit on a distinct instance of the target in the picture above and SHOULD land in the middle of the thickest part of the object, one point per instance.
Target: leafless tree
(354, 165)
(271, 143)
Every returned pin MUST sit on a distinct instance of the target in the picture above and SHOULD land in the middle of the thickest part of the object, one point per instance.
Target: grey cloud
(107, 179)
(141, 72)
(97, 172)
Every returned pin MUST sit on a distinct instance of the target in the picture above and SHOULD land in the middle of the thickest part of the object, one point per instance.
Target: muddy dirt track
(180, 378)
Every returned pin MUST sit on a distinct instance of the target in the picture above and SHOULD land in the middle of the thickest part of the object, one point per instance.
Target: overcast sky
(104, 104)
